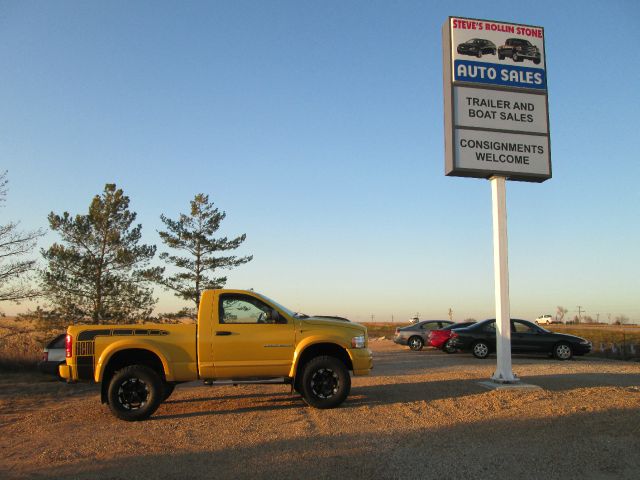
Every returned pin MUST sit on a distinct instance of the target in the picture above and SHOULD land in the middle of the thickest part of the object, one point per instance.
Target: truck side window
(245, 309)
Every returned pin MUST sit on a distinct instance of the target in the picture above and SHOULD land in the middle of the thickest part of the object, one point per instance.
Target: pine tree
(15, 268)
(100, 270)
(193, 234)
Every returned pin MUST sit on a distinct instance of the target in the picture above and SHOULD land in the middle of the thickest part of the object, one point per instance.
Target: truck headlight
(358, 342)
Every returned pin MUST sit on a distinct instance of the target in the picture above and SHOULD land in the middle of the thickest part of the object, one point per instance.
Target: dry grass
(21, 342)
(383, 329)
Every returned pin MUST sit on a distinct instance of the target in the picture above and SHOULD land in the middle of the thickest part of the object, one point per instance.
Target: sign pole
(503, 373)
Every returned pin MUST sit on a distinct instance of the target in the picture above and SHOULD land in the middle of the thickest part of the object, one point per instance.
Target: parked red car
(440, 338)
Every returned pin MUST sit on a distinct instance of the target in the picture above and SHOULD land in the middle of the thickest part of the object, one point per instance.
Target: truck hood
(321, 320)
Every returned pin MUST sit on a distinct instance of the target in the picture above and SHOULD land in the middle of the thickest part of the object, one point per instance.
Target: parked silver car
(416, 335)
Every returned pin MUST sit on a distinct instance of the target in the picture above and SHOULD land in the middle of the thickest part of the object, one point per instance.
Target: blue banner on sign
(495, 74)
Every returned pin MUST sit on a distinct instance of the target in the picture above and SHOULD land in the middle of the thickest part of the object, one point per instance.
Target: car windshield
(279, 307)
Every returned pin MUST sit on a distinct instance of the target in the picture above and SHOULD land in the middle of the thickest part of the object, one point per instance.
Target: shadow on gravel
(229, 397)
(585, 445)
(572, 381)
(35, 384)
(372, 395)
(203, 407)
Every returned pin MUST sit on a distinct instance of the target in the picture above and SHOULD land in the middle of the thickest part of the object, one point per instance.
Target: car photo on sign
(477, 47)
(519, 49)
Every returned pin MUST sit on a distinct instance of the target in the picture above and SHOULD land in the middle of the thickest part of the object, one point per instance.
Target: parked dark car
(477, 47)
(526, 337)
(416, 335)
(518, 49)
(441, 338)
(53, 355)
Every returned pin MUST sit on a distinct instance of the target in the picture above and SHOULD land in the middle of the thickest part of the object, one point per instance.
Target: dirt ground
(419, 415)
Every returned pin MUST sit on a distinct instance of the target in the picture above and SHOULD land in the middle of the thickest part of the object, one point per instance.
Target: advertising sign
(496, 107)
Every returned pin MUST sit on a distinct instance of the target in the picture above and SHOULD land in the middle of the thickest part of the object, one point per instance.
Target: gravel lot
(420, 415)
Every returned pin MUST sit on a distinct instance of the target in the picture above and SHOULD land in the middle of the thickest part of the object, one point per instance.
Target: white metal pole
(503, 373)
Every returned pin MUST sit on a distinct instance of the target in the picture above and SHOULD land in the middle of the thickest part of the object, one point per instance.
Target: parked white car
(544, 320)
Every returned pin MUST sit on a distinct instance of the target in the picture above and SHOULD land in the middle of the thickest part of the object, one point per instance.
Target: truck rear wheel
(135, 392)
(325, 382)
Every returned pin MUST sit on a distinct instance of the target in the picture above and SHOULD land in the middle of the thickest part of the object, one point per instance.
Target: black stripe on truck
(85, 346)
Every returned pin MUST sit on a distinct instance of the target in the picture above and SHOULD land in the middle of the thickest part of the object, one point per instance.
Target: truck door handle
(222, 333)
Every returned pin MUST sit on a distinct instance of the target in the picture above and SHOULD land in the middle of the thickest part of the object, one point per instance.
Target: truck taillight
(68, 345)
(45, 356)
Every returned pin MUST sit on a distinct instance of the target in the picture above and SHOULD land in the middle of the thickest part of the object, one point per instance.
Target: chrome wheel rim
(414, 343)
(481, 350)
(563, 351)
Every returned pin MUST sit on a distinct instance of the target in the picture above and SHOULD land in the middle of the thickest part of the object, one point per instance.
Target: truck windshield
(277, 305)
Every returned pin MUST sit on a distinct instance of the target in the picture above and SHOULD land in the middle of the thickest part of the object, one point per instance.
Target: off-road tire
(415, 343)
(135, 392)
(325, 382)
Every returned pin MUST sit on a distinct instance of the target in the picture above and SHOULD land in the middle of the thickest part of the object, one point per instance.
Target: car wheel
(480, 350)
(135, 392)
(536, 61)
(168, 390)
(448, 347)
(515, 57)
(325, 382)
(415, 343)
(479, 54)
(562, 351)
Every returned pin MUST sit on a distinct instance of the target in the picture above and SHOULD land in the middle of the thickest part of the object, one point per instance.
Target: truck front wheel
(135, 392)
(325, 382)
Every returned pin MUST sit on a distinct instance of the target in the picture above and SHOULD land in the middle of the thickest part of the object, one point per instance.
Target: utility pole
(392, 318)
(597, 318)
(580, 312)
(372, 317)
(450, 314)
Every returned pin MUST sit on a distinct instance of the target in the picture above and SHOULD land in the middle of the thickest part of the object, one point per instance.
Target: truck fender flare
(309, 342)
(127, 344)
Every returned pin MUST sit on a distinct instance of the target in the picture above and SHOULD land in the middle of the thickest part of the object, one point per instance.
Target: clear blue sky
(318, 128)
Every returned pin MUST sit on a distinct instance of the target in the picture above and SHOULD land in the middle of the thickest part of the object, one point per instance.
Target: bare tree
(621, 320)
(15, 245)
(560, 313)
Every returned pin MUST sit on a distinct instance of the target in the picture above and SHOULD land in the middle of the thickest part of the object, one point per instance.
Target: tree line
(99, 270)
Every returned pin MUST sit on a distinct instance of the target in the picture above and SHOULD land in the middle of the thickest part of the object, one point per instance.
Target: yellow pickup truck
(241, 336)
